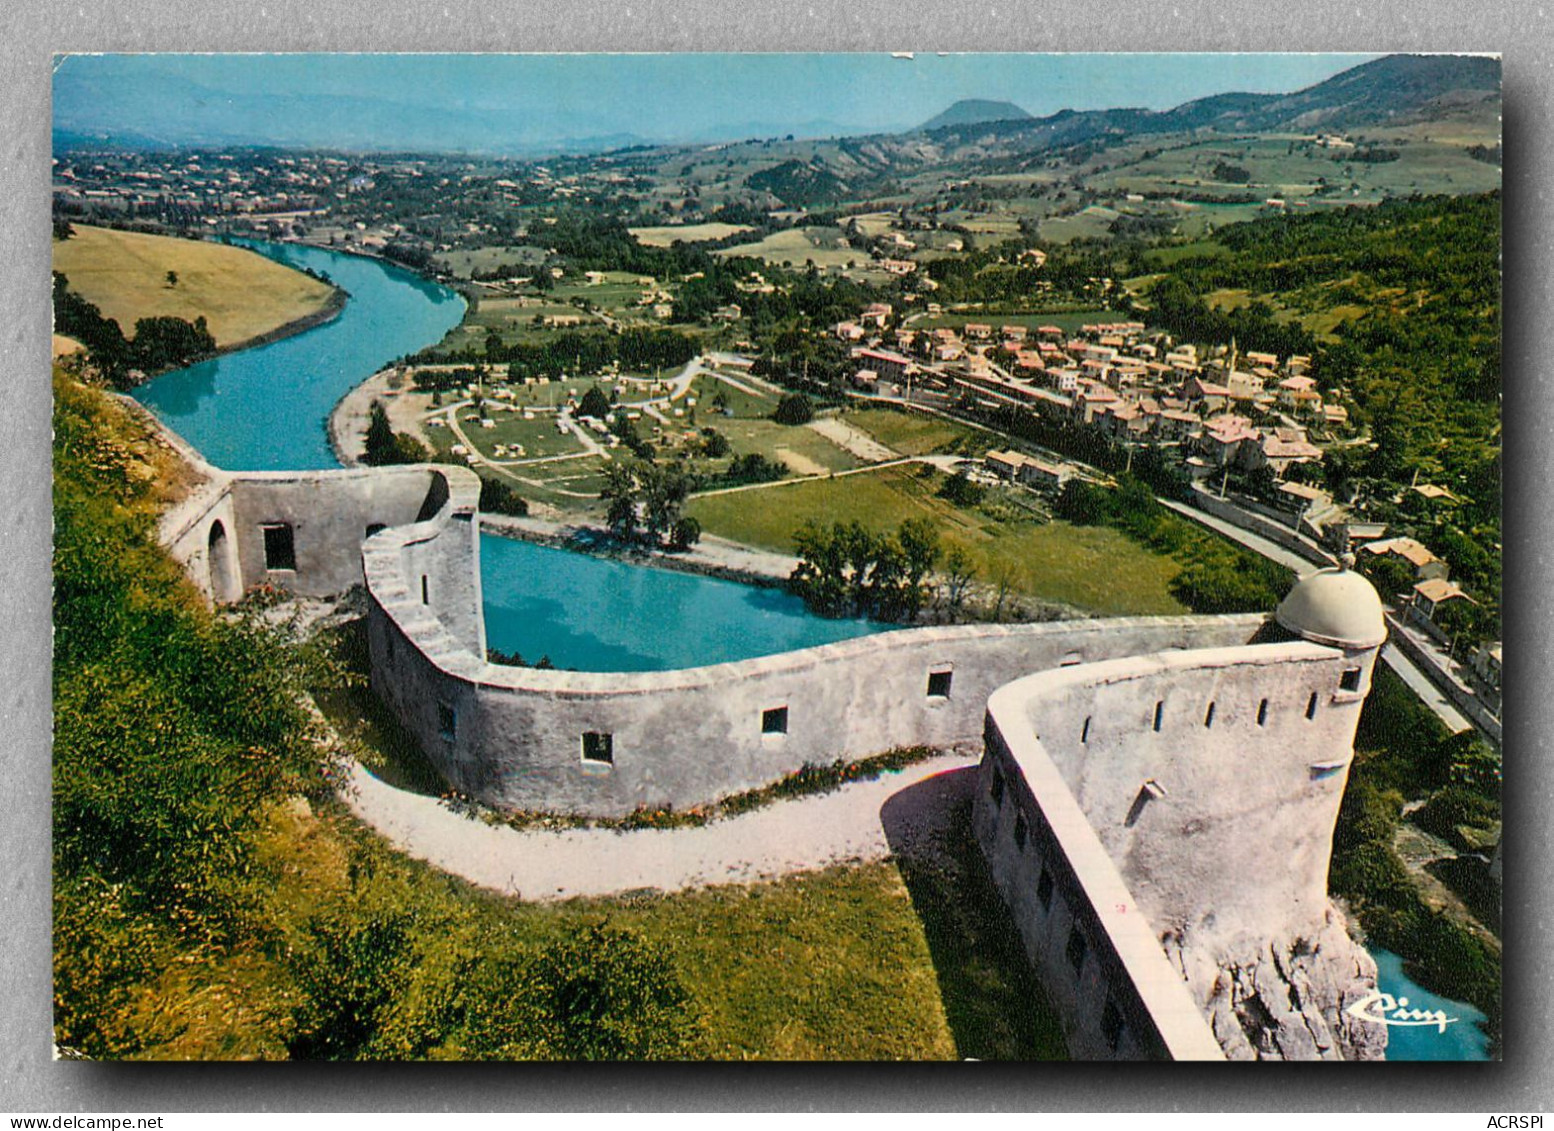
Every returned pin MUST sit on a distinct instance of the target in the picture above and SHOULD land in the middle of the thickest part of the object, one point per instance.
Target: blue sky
(659, 97)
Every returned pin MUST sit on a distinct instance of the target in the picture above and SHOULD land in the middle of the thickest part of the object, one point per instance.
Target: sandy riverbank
(348, 419)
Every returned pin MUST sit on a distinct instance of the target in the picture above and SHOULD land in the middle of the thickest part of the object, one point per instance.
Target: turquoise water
(266, 408)
(597, 615)
(1463, 1038)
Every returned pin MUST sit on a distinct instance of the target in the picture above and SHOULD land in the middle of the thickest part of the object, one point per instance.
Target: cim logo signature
(1383, 1009)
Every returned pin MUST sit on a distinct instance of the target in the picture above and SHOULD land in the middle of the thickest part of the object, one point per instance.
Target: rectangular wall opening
(774, 721)
(598, 748)
(1021, 831)
(1262, 713)
(426, 590)
(998, 786)
(447, 721)
(1084, 733)
(1311, 706)
(280, 547)
(1159, 713)
(1208, 716)
(939, 684)
(1350, 680)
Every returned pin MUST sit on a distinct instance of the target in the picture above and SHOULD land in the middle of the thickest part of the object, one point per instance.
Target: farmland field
(1089, 567)
(798, 246)
(240, 293)
(465, 262)
(909, 433)
(685, 233)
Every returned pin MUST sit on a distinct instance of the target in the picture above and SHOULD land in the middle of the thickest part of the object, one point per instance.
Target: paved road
(1254, 542)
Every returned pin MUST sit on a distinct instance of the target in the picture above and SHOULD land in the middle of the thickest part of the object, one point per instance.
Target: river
(267, 409)
(1462, 1038)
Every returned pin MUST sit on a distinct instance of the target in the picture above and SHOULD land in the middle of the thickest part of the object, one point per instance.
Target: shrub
(961, 491)
(610, 994)
(497, 497)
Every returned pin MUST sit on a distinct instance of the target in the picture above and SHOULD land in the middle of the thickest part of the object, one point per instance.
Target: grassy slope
(241, 293)
(857, 963)
(1092, 567)
(912, 435)
(686, 233)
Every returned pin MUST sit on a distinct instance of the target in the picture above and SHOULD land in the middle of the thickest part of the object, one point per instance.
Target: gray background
(30, 34)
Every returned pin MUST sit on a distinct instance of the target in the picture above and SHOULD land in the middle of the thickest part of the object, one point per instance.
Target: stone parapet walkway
(786, 837)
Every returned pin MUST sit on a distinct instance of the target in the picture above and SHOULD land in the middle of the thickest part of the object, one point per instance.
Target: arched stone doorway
(218, 558)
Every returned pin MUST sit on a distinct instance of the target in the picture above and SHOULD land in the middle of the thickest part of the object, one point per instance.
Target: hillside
(798, 183)
(241, 295)
(1458, 94)
(970, 111)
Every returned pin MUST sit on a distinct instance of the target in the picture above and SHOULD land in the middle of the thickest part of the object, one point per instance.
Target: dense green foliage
(1415, 287)
(179, 737)
(384, 446)
(961, 491)
(497, 497)
(848, 571)
(794, 408)
(161, 342)
(798, 184)
(1217, 576)
(644, 501)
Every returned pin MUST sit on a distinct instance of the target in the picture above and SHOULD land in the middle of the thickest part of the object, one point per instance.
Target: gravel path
(852, 440)
(783, 838)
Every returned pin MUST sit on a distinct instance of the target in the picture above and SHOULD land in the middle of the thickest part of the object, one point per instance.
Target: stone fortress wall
(1161, 825)
(1156, 803)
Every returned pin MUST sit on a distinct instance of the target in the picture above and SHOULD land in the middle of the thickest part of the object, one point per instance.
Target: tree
(663, 493)
(685, 533)
(794, 409)
(594, 404)
(379, 449)
(498, 498)
(961, 491)
(955, 579)
(919, 546)
(172, 278)
(620, 492)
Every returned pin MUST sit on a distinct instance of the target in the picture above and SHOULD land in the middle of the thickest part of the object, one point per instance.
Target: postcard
(805, 556)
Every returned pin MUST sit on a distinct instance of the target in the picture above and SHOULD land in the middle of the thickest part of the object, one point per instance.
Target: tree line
(846, 570)
(160, 342)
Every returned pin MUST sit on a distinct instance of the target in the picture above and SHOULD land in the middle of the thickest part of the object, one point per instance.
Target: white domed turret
(1335, 606)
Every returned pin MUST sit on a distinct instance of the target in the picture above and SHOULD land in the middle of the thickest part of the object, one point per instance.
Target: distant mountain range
(1396, 89)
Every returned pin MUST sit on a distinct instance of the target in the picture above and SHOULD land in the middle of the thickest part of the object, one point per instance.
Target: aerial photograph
(820, 557)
